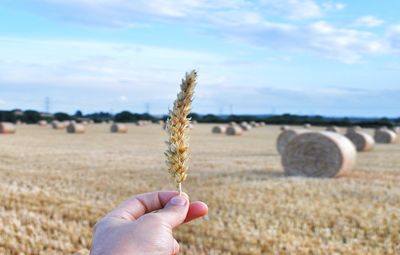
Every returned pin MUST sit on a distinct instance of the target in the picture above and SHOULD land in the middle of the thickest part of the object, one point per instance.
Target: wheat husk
(177, 127)
(118, 128)
(319, 154)
(7, 128)
(361, 140)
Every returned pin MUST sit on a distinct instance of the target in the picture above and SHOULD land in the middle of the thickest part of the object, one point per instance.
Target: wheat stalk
(177, 125)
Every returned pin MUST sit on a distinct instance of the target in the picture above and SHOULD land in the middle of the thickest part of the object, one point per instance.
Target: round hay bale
(75, 128)
(307, 125)
(319, 154)
(7, 128)
(286, 136)
(334, 129)
(384, 136)
(353, 129)
(361, 140)
(234, 130)
(218, 129)
(246, 127)
(58, 125)
(42, 123)
(396, 130)
(232, 123)
(284, 127)
(119, 128)
(382, 128)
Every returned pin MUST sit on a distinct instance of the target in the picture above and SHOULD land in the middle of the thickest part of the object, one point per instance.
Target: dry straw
(118, 128)
(286, 136)
(396, 130)
(177, 126)
(234, 130)
(334, 129)
(362, 140)
(246, 127)
(58, 125)
(7, 128)
(220, 129)
(42, 123)
(284, 127)
(75, 128)
(384, 136)
(319, 154)
(254, 124)
(353, 129)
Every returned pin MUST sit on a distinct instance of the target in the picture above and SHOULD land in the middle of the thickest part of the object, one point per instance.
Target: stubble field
(54, 187)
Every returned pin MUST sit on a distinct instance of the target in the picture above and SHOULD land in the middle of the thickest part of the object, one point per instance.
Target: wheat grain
(177, 125)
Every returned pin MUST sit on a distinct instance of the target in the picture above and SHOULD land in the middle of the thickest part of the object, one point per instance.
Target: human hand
(143, 224)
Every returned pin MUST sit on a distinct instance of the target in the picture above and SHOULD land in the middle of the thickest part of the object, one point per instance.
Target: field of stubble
(54, 187)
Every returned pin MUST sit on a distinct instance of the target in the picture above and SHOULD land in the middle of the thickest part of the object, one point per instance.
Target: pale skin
(143, 224)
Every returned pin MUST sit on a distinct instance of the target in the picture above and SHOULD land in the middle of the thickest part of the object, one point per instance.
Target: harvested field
(54, 187)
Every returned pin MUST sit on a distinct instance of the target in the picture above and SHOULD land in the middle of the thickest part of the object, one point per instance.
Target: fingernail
(178, 200)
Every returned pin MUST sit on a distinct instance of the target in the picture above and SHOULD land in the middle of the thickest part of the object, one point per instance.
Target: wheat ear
(177, 126)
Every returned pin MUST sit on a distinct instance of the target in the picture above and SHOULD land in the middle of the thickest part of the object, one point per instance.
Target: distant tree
(210, 118)
(125, 116)
(194, 116)
(146, 116)
(78, 114)
(31, 117)
(8, 116)
(62, 116)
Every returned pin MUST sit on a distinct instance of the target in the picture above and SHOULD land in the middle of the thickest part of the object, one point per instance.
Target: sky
(333, 58)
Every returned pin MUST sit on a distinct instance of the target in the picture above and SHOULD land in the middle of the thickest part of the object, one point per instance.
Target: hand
(143, 224)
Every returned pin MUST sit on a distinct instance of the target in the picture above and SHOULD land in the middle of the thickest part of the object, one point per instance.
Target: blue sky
(263, 56)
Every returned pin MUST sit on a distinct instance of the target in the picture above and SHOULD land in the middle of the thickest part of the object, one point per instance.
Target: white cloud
(123, 98)
(321, 38)
(333, 6)
(368, 21)
(293, 9)
(96, 64)
(393, 35)
(251, 22)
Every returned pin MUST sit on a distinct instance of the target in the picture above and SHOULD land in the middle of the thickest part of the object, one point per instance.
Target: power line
(47, 105)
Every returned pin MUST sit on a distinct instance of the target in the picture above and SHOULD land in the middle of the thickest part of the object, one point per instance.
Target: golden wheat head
(177, 126)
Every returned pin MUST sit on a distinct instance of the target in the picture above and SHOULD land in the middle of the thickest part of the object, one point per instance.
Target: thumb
(175, 211)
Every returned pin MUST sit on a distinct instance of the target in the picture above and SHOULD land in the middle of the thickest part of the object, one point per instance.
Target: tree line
(33, 117)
